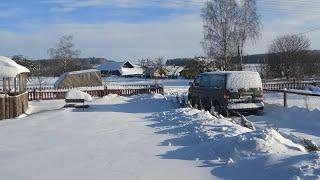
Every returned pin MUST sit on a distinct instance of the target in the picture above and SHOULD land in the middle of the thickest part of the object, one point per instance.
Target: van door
(194, 90)
(205, 92)
(218, 87)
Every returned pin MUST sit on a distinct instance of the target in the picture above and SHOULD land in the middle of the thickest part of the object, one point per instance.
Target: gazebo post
(15, 85)
(5, 85)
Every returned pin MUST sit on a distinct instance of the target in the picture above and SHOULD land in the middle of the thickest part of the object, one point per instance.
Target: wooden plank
(7, 107)
(11, 109)
(2, 108)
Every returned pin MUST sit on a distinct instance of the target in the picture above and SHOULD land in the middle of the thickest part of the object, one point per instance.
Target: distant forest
(249, 59)
(51, 67)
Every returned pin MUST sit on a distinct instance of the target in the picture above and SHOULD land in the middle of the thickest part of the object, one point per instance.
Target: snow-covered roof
(119, 66)
(131, 71)
(111, 66)
(93, 78)
(9, 68)
(174, 70)
(82, 71)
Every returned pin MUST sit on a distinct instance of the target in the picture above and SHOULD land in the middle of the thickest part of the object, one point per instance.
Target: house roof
(82, 71)
(112, 66)
(174, 70)
(9, 68)
(90, 77)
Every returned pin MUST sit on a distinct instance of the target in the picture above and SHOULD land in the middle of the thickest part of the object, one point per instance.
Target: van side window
(205, 81)
(217, 81)
(197, 81)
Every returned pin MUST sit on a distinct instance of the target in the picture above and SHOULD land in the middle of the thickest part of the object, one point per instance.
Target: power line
(308, 31)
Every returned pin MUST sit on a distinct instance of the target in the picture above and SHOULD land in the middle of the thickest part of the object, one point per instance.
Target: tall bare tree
(64, 51)
(248, 26)
(146, 64)
(288, 55)
(220, 20)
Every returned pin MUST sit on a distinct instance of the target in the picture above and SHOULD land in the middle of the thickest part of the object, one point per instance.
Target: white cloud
(178, 37)
(70, 5)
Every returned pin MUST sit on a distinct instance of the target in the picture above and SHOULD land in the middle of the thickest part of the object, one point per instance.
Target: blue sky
(133, 29)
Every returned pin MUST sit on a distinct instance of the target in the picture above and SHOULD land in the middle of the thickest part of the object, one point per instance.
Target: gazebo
(13, 88)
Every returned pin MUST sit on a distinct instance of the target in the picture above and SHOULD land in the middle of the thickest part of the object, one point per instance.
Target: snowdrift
(215, 138)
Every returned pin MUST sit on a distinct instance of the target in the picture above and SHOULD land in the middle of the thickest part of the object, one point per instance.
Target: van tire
(193, 102)
(217, 108)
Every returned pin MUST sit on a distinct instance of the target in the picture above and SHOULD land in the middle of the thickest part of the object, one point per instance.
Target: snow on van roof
(240, 79)
(243, 80)
(9, 68)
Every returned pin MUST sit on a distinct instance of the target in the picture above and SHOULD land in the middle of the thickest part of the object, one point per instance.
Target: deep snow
(144, 137)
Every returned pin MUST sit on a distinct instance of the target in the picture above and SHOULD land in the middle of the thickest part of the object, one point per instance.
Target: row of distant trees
(290, 57)
(230, 24)
(64, 57)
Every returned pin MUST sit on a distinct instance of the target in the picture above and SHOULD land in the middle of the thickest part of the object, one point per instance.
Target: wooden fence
(289, 85)
(13, 106)
(51, 93)
(286, 92)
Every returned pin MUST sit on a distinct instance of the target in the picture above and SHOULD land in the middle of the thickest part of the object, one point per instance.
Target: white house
(173, 71)
(124, 68)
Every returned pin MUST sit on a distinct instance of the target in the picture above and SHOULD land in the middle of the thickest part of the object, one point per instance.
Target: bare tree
(220, 20)
(64, 51)
(146, 64)
(160, 65)
(248, 26)
(37, 72)
(287, 56)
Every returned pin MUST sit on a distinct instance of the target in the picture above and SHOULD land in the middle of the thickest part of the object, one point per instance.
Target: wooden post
(2, 107)
(285, 99)
(7, 106)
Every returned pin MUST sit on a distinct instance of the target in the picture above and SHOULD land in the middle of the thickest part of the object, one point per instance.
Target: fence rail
(289, 85)
(51, 93)
(286, 92)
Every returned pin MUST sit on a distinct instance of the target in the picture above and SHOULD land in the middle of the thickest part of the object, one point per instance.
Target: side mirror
(190, 83)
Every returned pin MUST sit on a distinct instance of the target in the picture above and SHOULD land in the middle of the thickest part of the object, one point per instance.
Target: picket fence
(53, 93)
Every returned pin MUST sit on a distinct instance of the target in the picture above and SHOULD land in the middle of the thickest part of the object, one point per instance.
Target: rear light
(226, 94)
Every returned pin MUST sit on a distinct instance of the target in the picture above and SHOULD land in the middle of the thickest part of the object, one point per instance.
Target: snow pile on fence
(9, 68)
(77, 94)
(313, 89)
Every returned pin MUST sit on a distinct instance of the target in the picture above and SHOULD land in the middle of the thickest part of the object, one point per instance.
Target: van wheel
(193, 102)
(217, 108)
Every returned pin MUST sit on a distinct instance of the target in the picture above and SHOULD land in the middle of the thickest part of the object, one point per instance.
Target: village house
(124, 68)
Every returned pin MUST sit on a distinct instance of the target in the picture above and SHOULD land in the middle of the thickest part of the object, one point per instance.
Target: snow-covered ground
(150, 137)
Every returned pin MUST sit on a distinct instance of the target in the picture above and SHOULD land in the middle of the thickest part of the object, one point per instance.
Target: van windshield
(243, 81)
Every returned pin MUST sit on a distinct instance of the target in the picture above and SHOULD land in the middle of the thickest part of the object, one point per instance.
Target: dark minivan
(228, 92)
